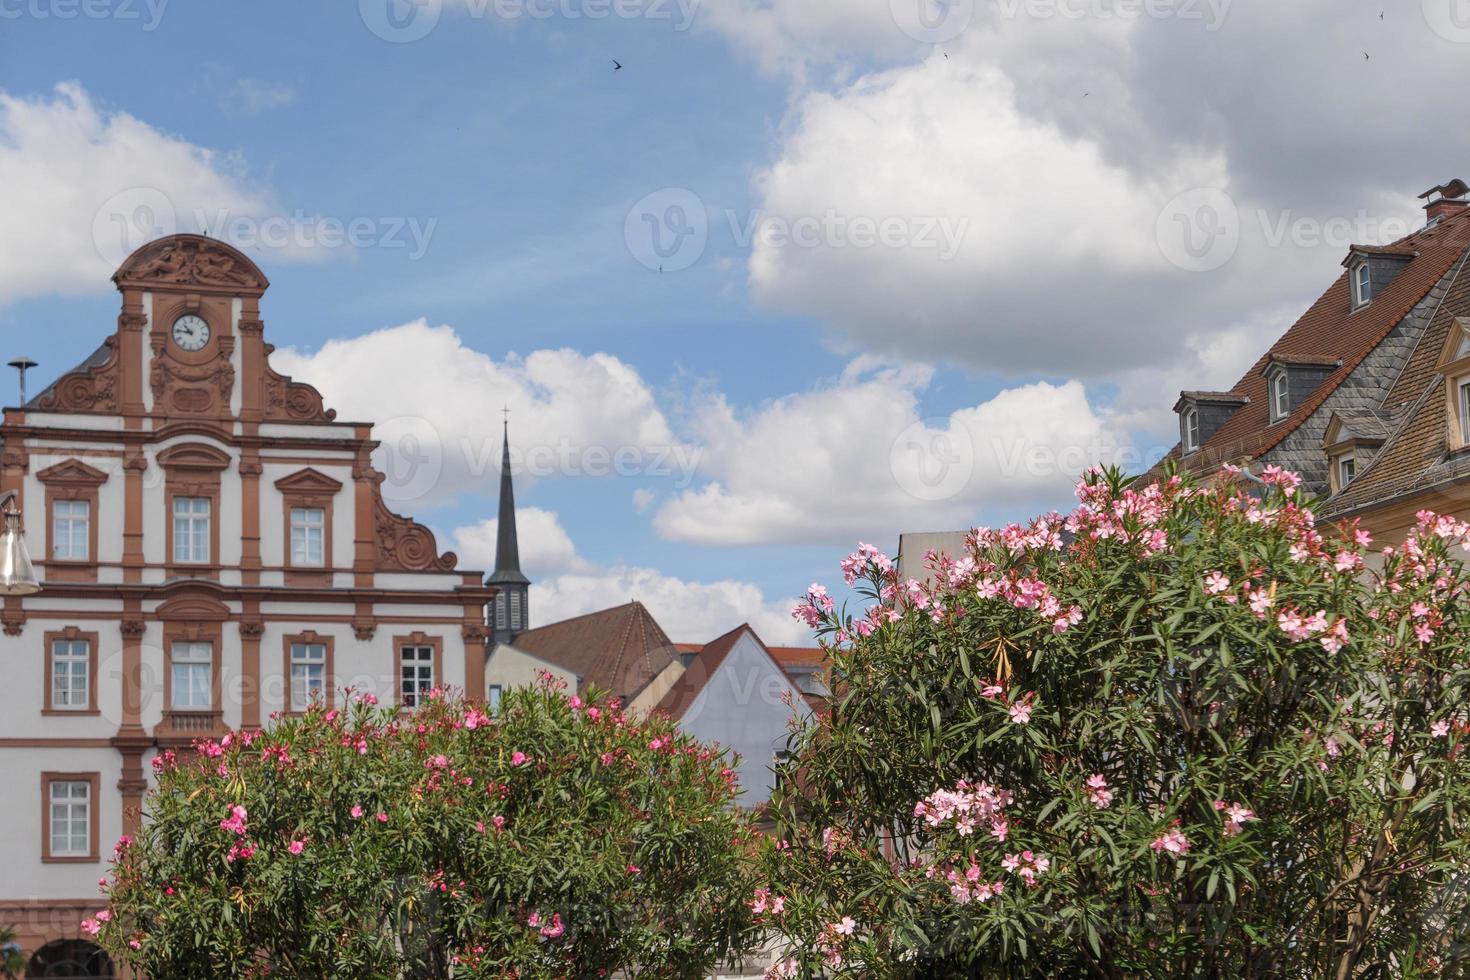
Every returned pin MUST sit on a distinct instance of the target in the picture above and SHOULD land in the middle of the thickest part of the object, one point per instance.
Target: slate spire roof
(507, 544)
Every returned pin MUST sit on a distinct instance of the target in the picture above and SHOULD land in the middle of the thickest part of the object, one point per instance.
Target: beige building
(213, 548)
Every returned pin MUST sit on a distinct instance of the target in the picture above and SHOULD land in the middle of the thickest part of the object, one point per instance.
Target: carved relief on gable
(195, 389)
(190, 260)
(91, 389)
(292, 401)
(405, 545)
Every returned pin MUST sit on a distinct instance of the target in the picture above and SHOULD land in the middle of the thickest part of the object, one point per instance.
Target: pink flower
(519, 759)
(1440, 728)
(382, 818)
(1171, 841)
(633, 869)
(1215, 583)
(1098, 792)
(845, 926)
(357, 813)
(296, 846)
(1020, 711)
(1235, 815)
(554, 928)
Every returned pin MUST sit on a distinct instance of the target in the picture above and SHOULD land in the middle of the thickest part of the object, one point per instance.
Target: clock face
(191, 332)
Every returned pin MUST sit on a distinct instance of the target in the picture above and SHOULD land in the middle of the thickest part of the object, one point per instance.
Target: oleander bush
(1180, 732)
(559, 838)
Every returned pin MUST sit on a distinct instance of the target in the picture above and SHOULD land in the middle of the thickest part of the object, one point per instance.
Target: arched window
(74, 958)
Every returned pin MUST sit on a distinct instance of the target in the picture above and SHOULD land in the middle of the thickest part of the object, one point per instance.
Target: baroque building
(213, 548)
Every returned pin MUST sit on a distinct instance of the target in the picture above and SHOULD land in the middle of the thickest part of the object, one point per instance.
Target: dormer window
(1202, 413)
(1362, 287)
(1280, 395)
(1347, 468)
(1454, 367)
(1351, 441)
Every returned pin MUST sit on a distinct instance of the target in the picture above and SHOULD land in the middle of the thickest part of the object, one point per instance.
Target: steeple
(510, 613)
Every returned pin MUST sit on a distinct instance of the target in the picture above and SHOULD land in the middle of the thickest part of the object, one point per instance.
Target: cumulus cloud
(545, 547)
(855, 458)
(1061, 135)
(436, 406)
(84, 186)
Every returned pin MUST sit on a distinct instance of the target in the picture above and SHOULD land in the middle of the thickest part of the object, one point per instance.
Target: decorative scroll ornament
(404, 545)
(292, 401)
(92, 389)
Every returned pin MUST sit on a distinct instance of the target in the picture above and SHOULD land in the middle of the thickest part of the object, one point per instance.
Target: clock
(191, 332)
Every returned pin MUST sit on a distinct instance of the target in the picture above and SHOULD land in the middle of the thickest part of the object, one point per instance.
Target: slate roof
(1331, 331)
(619, 649)
(1415, 454)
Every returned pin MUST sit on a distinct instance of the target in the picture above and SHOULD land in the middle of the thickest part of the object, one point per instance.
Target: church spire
(511, 613)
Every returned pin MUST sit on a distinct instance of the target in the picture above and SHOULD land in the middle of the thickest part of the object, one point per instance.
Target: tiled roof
(1331, 330)
(799, 658)
(1415, 453)
(619, 649)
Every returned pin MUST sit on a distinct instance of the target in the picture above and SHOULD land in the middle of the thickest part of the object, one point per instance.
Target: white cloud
(252, 96)
(436, 406)
(690, 612)
(855, 459)
(545, 547)
(84, 186)
(566, 585)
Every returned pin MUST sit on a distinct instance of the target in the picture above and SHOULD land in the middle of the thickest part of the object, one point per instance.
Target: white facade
(196, 521)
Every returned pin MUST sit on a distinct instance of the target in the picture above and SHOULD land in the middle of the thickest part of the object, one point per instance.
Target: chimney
(1445, 200)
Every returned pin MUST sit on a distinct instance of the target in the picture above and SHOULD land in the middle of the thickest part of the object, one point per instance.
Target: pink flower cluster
(1299, 628)
(1236, 814)
(766, 904)
(968, 886)
(1028, 592)
(1098, 792)
(1027, 866)
(548, 928)
(816, 603)
(967, 806)
(1171, 841)
(864, 558)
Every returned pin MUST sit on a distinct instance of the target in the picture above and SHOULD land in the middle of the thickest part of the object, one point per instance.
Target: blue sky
(1055, 325)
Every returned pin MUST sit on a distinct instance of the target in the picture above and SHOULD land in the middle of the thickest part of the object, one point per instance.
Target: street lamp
(17, 577)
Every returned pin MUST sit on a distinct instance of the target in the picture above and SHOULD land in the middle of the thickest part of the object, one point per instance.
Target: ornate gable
(72, 472)
(92, 387)
(194, 261)
(292, 401)
(309, 481)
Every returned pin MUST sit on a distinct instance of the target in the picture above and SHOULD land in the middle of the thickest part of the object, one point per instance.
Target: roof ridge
(573, 619)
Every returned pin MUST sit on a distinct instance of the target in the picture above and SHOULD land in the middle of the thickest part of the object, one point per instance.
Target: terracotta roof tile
(619, 649)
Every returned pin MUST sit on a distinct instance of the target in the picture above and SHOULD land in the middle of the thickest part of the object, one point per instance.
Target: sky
(797, 274)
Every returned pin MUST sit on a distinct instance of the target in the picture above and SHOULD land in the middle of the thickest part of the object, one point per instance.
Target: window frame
(308, 538)
(1280, 395)
(208, 517)
(493, 694)
(171, 704)
(436, 661)
(329, 677)
(1347, 470)
(1362, 284)
(308, 489)
(1189, 428)
(72, 481)
(193, 470)
(93, 781)
(69, 635)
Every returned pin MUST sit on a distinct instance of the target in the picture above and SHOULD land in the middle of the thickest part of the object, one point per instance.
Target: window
(308, 674)
(308, 536)
(1190, 424)
(191, 676)
(1362, 289)
(1465, 411)
(191, 529)
(69, 818)
(1280, 405)
(1347, 468)
(515, 610)
(416, 673)
(500, 611)
(71, 668)
(494, 698)
(70, 530)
